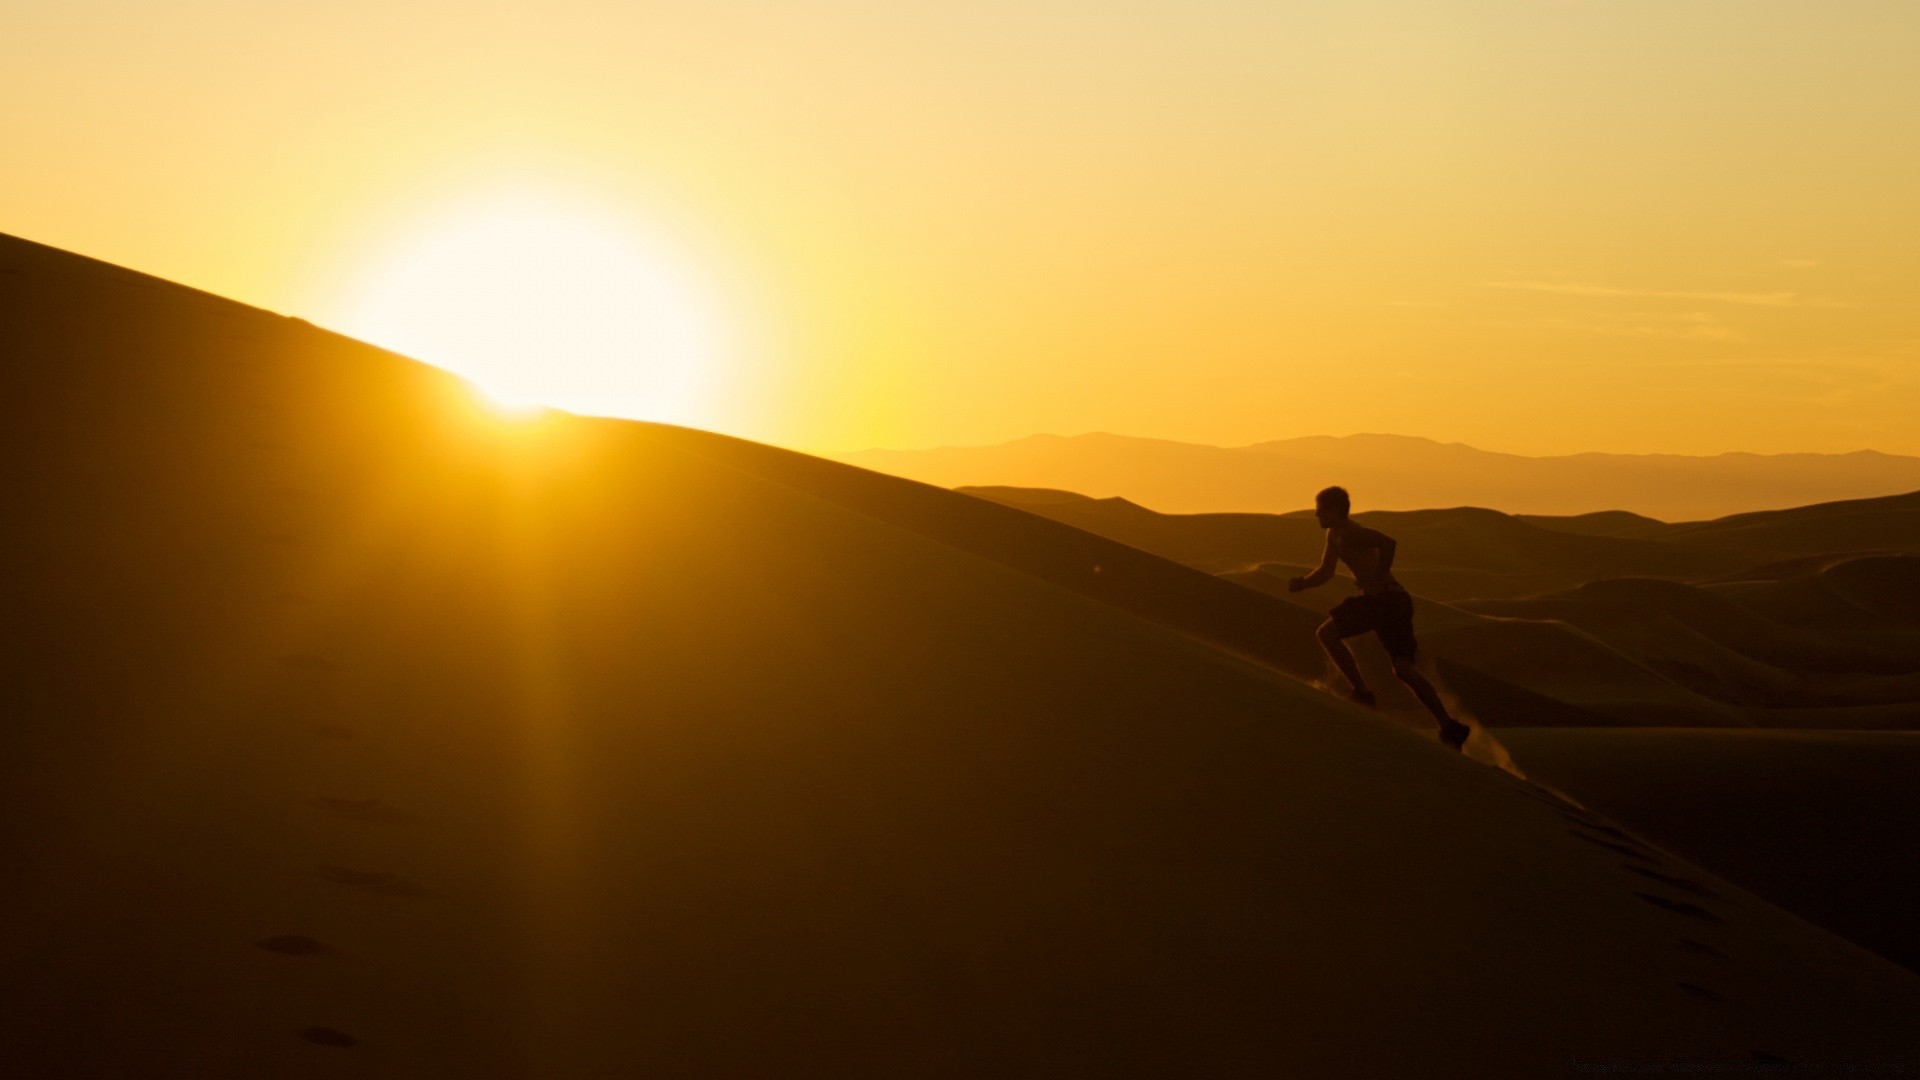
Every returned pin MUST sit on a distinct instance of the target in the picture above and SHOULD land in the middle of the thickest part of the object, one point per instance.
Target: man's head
(1332, 507)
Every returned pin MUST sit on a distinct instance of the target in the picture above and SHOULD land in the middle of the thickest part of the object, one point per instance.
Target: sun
(544, 300)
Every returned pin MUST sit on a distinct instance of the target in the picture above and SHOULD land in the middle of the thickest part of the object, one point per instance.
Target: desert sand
(1824, 823)
(354, 730)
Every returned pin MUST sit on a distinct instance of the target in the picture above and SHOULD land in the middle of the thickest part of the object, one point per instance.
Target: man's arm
(1320, 576)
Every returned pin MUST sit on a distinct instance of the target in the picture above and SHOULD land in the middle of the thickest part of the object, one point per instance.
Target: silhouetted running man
(1382, 607)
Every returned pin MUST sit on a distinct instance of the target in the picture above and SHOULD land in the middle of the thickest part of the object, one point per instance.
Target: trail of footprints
(367, 812)
(1653, 870)
(1637, 858)
(362, 811)
(1650, 866)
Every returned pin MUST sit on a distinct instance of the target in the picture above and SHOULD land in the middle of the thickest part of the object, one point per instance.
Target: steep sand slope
(1274, 629)
(1825, 823)
(355, 736)
(1508, 672)
(1108, 570)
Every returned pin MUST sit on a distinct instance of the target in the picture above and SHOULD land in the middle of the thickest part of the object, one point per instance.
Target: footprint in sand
(1698, 991)
(293, 945)
(1683, 884)
(1678, 907)
(1701, 948)
(326, 1036)
(374, 881)
(1617, 849)
(1598, 826)
(372, 810)
(1536, 792)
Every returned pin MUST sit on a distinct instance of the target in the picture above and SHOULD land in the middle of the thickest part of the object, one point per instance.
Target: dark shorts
(1388, 614)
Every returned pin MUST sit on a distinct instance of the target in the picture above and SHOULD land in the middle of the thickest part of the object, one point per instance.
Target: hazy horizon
(828, 451)
(1390, 472)
(1546, 226)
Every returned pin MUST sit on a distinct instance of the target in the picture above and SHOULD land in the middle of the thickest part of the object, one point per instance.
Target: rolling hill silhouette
(355, 729)
(1393, 472)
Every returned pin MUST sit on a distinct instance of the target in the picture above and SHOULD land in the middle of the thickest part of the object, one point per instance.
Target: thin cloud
(1690, 325)
(1766, 299)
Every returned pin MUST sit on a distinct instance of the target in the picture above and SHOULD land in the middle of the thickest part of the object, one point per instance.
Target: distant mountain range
(1397, 472)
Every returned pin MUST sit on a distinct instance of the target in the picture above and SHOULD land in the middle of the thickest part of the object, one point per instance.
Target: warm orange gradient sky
(1532, 225)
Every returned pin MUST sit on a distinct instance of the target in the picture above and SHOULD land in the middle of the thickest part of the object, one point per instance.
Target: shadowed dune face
(1826, 824)
(1887, 585)
(1889, 522)
(651, 751)
(1721, 648)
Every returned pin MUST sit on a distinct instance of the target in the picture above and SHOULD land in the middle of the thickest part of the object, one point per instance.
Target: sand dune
(1599, 523)
(1715, 651)
(356, 732)
(1737, 626)
(1888, 523)
(1867, 600)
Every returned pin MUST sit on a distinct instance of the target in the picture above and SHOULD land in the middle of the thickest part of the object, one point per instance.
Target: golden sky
(1532, 225)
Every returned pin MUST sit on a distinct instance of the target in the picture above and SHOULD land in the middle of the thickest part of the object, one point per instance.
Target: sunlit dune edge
(356, 727)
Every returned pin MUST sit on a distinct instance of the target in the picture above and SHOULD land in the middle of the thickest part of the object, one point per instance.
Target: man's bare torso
(1360, 549)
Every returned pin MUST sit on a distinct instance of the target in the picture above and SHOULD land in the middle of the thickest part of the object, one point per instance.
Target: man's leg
(1452, 731)
(1329, 635)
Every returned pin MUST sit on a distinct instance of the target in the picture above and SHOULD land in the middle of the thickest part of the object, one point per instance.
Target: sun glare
(546, 302)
